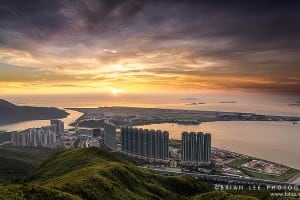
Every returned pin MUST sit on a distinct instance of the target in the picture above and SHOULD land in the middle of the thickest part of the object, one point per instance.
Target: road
(227, 179)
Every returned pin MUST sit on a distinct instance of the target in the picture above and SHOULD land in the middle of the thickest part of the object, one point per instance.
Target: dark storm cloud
(33, 18)
(254, 23)
(99, 16)
(243, 27)
(248, 26)
(24, 24)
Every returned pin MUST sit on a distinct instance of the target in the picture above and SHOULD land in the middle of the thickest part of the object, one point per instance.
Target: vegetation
(283, 177)
(13, 170)
(26, 154)
(4, 136)
(95, 173)
(220, 195)
(16, 162)
(238, 162)
(175, 143)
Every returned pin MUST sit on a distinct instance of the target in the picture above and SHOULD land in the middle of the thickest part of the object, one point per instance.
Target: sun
(115, 91)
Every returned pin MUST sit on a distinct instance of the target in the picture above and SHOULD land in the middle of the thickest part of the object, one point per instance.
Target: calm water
(274, 141)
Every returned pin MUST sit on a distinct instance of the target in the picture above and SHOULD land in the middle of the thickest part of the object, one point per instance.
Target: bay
(275, 141)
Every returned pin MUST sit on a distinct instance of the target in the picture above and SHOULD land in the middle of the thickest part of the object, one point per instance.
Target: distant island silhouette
(189, 99)
(227, 101)
(11, 113)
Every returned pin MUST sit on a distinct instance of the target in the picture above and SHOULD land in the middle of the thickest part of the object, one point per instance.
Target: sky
(149, 46)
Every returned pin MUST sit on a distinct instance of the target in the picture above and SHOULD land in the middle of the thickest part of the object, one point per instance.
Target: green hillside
(94, 173)
(97, 174)
(16, 162)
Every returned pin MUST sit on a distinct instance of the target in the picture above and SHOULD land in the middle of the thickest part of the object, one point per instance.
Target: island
(11, 113)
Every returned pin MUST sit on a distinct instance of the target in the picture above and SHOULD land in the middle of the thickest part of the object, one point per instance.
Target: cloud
(189, 44)
(110, 51)
(99, 16)
(32, 19)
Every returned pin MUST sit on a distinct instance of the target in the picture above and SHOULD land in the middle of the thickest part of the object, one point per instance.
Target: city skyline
(115, 47)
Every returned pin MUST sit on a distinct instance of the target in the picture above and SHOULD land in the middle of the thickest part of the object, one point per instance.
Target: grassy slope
(17, 162)
(4, 136)
(97, 174)
(238, 162)
(220, 195)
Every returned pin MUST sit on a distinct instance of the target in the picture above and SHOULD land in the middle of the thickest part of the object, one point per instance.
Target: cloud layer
(148, 45)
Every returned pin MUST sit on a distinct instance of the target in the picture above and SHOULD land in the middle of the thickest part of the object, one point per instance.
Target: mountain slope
(97, 174)
(16, 162)
(11, 113)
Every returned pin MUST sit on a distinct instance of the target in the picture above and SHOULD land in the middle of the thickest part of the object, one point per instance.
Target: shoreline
(138, 116)
(157, 111)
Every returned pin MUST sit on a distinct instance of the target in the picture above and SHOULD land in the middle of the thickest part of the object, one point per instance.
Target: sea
(275, 141)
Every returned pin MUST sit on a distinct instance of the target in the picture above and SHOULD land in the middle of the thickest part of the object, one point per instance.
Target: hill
(11, 113)
(16, 162)
(97, 174)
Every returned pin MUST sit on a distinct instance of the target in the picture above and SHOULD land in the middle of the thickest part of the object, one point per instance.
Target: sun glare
(115, 91)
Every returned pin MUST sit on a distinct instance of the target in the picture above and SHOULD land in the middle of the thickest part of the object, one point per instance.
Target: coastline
(70, 117)
(146, 116)
(80, 115)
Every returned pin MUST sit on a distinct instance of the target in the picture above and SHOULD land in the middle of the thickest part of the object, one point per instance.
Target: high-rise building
(140, 142)
(96, 132)
(14, 138)
(110, 135)
(59, 129)
(145, 143)
(165, 146)
(200, 146)
(196, 147)
(185, 143)
(130, 140)
(123, 135)
(35, 137)
(207, 147)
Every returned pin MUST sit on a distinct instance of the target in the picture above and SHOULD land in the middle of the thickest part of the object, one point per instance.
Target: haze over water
(245, 102)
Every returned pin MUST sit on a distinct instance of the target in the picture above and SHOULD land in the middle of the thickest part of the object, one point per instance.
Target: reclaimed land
(286, 176)
(143, 116)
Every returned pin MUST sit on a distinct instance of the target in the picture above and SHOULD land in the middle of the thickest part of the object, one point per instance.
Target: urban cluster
(46, 136)
(196, 147)
(143, 143)
(151, 149)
